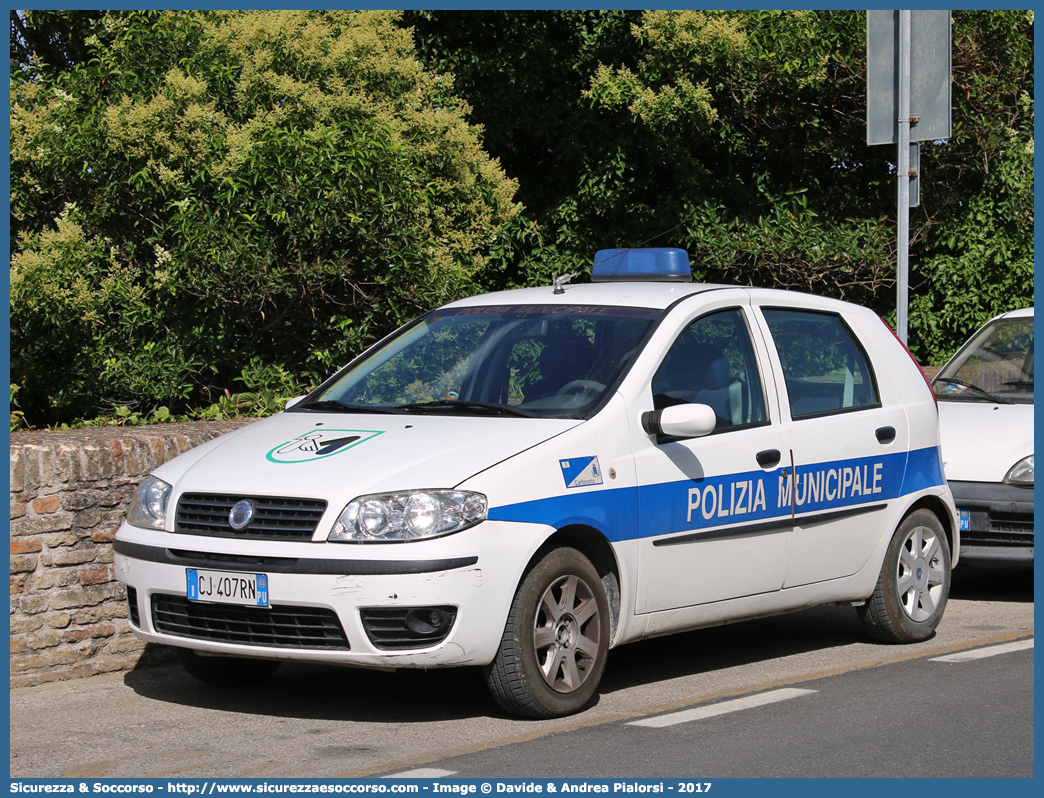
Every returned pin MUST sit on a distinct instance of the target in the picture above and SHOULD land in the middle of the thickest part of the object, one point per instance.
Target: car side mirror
(291, 402)
(680, 421)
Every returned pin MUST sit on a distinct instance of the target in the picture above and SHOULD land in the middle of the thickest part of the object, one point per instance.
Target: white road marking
(991, 651)
(421, 773)
(699, 713)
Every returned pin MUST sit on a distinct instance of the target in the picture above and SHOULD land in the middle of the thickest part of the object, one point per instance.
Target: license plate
(227, 587)
(965, 516)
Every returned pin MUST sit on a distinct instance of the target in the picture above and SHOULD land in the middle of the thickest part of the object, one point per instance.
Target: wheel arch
(595, 547)
(938, 507)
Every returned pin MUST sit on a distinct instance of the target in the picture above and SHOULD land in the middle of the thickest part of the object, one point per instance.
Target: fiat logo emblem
(240, 514)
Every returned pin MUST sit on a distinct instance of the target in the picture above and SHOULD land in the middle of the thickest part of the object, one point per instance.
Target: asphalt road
(906, 719)
(321, 721)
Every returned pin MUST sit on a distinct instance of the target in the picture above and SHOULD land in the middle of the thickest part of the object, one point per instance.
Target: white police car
(522, 480)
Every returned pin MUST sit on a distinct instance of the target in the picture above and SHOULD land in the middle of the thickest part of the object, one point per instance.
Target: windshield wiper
(465, 404)
(976, 388)
(337, 406)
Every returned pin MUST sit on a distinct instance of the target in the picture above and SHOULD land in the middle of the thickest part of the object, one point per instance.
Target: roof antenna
(560, 281)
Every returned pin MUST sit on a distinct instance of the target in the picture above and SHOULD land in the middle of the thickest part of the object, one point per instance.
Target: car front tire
(556, 641)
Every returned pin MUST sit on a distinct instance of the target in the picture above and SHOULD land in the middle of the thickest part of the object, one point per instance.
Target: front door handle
(768, 458)
(886, 434)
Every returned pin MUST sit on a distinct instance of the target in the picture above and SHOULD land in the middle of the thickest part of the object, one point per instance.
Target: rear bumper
(996, 524)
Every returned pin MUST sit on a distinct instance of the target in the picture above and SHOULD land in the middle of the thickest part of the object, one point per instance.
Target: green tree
(206, 188)
(54, 39)
(976, 256)
(981, 259)
(741, 136)
(524, 74)
(669, 126)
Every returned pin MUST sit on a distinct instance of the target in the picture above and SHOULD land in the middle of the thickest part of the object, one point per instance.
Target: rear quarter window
(826, 369)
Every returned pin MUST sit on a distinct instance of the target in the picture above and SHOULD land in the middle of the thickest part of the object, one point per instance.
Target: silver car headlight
(409, 515)
(148, 509)
(1021, 473)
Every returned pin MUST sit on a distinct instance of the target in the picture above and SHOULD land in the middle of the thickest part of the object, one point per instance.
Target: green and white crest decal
(317, 444)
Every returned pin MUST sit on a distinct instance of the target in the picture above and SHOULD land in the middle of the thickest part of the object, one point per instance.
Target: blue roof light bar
(642, 265)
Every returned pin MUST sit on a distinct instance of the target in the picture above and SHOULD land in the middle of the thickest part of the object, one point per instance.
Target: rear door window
(825, 367)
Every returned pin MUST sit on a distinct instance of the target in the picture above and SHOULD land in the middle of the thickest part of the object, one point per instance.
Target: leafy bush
(207, 190)
(270, 389)
(741, 136)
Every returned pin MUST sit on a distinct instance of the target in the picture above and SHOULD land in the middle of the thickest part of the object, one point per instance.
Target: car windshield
(994, 366)
(540, 361)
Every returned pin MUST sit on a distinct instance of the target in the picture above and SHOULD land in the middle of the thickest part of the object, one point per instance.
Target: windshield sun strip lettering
(616, 311)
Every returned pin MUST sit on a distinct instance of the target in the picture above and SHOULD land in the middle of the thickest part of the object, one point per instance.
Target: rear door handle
(768, 458)
(886, 434)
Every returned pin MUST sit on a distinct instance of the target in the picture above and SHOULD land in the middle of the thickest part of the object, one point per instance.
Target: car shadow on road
(719, 647)
(312, 691)
(329, 692)
(981, 584)
(306, 690)
(807, 631)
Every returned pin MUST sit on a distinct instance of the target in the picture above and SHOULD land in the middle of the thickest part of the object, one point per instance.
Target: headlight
(410, 515)
(149, 506)
(1021, 473)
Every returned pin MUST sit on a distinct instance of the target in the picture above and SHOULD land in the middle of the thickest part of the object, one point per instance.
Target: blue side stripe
(614, 511)
(715, 502)
(924, 470)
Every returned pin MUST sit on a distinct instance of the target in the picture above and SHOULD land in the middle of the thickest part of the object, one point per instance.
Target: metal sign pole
(903, 169)
(907, 100)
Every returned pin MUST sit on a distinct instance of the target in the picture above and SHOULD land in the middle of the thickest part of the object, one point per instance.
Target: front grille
(407, 627)
(273, 519)
(999, 529)
(1015, 524)
(132, 606)
(278, 626)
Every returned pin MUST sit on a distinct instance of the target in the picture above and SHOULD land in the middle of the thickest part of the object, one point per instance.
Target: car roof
(644, 294)
(1017, 314)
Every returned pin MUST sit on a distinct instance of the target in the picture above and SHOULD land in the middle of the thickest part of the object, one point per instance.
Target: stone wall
(69, 493)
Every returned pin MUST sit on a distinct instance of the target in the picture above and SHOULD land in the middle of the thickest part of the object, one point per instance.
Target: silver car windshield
(994, 366)
(537, 361)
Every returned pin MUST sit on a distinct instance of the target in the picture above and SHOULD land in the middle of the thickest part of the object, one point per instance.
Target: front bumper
(363, 605)
(996, 524)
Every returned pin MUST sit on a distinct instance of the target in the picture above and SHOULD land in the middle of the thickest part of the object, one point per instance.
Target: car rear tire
(553, 652)
(226, 671)
(914, 585)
